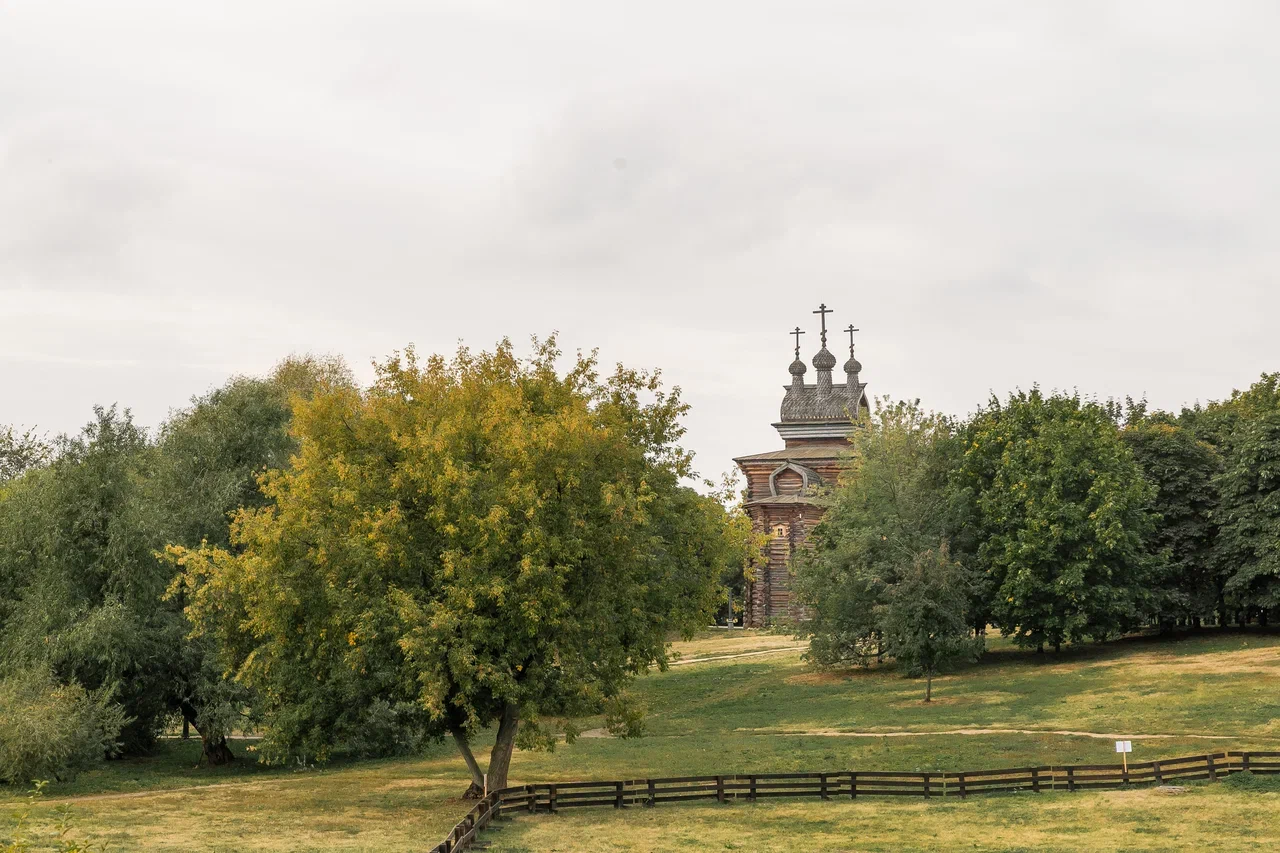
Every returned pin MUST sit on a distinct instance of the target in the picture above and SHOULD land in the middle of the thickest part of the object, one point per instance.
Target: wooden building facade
(782, 485)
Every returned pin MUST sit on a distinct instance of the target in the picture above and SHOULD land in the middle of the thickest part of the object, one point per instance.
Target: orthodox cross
(797, 333)
(851, 330)
(823, 310)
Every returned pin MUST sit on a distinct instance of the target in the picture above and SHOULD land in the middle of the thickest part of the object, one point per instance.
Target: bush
(51, 731)
(1250, 781)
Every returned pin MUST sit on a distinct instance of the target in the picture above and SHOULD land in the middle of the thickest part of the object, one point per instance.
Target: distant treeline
(1055, 518)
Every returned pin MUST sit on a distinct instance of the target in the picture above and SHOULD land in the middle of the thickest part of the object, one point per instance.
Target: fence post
(822, 790)
(551, 799)
(1071, 778)
(719, 789)
(1155, 769)
(926, 785)
(752, 795)
(1035, 780)
(1244, 761)
(617, 800)
(532, 791)
(962, 791)
(1213, 771)
(853, 786)
(652, 798)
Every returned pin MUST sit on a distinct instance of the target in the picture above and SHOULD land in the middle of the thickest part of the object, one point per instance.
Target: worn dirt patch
(740, 655)
(1263, 661)
(982, 731)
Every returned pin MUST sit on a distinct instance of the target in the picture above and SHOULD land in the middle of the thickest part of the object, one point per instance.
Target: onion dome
(852, 366)
(824, 360)
(797, 368)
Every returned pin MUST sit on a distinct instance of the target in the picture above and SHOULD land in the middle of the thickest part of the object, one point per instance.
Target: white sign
(1124, 746)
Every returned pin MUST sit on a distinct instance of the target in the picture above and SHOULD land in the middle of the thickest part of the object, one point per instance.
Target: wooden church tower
(782, 484)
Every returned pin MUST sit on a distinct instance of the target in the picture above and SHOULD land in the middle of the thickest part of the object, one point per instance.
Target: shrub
(1250, 781)
(50, 730)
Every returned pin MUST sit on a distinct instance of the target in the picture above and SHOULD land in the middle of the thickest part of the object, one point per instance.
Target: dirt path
(984, 731)
(593, 733)
(160, 792)
(740, 655)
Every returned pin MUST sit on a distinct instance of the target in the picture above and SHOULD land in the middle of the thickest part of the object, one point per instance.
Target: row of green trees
(1054, 518)
(467, 543)
(83, 607)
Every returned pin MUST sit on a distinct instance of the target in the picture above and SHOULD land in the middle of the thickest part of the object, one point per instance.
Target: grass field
(762, 713)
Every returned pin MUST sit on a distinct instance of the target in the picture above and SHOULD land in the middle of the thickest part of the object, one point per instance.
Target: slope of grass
(761, 714)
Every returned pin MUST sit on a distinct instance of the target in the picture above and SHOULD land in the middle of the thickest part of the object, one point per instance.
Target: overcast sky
(1078, 194)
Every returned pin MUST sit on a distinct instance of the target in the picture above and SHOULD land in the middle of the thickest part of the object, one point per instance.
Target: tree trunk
(928, 686)
(1057, 647)
(476, 790)
(500, 758)
(216, 751)
(213, 747)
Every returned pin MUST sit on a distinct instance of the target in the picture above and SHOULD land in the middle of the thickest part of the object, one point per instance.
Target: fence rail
(846, 784)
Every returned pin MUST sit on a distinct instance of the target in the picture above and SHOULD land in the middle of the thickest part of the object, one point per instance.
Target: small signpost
(1124, 747)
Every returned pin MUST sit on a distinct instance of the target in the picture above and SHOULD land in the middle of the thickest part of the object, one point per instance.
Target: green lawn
(772, 713)
(1218, 817)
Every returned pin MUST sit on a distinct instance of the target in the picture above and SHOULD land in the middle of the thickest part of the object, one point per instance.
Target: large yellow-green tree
(468, 542)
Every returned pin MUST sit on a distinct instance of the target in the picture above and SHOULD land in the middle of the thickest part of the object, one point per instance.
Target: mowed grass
(773, 713)
(1218, 817)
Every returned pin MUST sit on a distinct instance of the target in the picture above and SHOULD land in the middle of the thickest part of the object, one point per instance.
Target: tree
(890, 508)
(1249, 513)
(1059, 510)
(80, 578)
(924, 616)
(20, 452)
(469, 542)
(209, 457)
(1182, 469)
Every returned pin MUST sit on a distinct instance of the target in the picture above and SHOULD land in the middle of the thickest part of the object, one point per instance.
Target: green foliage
(1182, 469)
(889, 510)
(624, 716)
(1250, 781)
(482, 536)
(80, 581)
(80, 532)
(1059, 509)
(209, 458)
(20, 452)
(923, 616)
(1249, 537)
(52, 731)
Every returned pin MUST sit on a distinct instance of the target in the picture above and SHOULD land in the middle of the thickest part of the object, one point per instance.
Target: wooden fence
(846, 784)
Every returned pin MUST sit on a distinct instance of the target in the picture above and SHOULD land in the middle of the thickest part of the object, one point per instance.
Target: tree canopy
(1248, 542)
(890, 509)
(469, 541)
(1181, 468)
(1059, 509)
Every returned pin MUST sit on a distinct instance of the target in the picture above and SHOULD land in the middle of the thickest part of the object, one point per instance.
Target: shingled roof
(807, 404)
